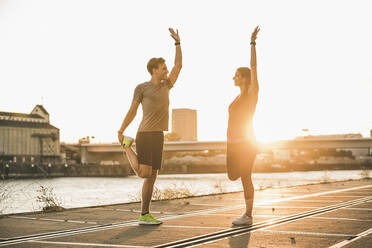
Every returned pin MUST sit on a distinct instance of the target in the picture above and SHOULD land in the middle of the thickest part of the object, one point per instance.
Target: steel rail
(233, 231)
(241, 230)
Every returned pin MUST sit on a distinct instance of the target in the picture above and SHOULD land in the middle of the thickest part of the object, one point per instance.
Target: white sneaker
(244, 220)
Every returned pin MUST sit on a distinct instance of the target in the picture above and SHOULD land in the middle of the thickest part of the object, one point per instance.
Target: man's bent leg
(132, 157)
(147, 190)
(141, 170)
(145, 171)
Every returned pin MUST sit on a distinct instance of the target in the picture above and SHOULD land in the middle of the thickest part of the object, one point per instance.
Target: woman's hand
(254, 34)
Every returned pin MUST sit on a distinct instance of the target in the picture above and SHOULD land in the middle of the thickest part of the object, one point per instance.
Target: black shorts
(149, 147)
(240, 159)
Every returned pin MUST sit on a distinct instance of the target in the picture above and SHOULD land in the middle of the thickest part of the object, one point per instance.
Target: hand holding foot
(120, 138)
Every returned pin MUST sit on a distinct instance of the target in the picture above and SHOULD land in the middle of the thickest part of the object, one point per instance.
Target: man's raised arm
(173, 75)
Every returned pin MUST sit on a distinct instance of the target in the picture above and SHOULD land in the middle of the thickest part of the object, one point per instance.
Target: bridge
(90, 151)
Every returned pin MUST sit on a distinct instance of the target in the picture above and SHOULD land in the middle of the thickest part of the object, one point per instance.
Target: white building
(28, 138)
(184, 124)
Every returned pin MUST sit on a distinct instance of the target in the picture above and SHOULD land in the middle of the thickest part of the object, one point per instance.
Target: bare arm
(173, 75)
(254, 81)
(132, 112)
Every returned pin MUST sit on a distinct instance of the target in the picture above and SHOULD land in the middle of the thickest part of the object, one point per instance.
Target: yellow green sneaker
(127, 141)
(148, 219)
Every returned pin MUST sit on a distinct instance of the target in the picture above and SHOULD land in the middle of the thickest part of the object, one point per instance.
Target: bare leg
(246, 218)
(141, 170)
(147, 190)
(132, 157)
(248, 194)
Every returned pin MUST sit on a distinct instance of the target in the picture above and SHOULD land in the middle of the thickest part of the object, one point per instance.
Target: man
(154, 97)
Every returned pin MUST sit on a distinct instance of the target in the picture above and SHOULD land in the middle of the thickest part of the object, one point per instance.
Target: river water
(22, 195)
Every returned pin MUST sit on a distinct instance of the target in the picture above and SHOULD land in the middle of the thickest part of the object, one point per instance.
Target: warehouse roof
(26, 124)
(20, 115)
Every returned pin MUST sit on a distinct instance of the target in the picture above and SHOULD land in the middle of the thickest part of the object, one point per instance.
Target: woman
(241, 148)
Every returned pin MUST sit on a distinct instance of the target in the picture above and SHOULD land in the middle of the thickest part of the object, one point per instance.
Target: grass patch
(173, 192)
(8, 191)
(365, 173)
(220, 186)
(326, 178)
(50, 201)
(5, 194)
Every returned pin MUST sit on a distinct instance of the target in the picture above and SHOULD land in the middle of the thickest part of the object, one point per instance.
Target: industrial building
(28, 138)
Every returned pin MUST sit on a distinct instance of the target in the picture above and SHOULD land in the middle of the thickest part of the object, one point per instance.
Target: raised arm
(254, 81)
(173, 75)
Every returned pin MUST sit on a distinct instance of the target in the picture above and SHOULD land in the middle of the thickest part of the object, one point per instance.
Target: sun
(267, 134)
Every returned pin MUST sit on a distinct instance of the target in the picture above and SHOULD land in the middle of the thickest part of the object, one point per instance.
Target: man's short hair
(154, 64)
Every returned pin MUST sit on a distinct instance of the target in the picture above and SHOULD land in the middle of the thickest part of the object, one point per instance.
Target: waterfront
(74, 192)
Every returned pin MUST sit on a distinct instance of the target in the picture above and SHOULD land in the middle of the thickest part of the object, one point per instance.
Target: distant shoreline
(93, 170)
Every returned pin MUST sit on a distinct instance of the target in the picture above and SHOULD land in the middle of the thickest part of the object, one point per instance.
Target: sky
(82, 59)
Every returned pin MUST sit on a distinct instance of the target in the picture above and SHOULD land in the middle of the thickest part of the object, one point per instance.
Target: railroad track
(197, 240)
(260, 225)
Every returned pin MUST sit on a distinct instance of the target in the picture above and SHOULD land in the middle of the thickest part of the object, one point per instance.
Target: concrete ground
(337, 215)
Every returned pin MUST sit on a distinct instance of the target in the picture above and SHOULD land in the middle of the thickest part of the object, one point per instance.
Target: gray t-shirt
(155, 105)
